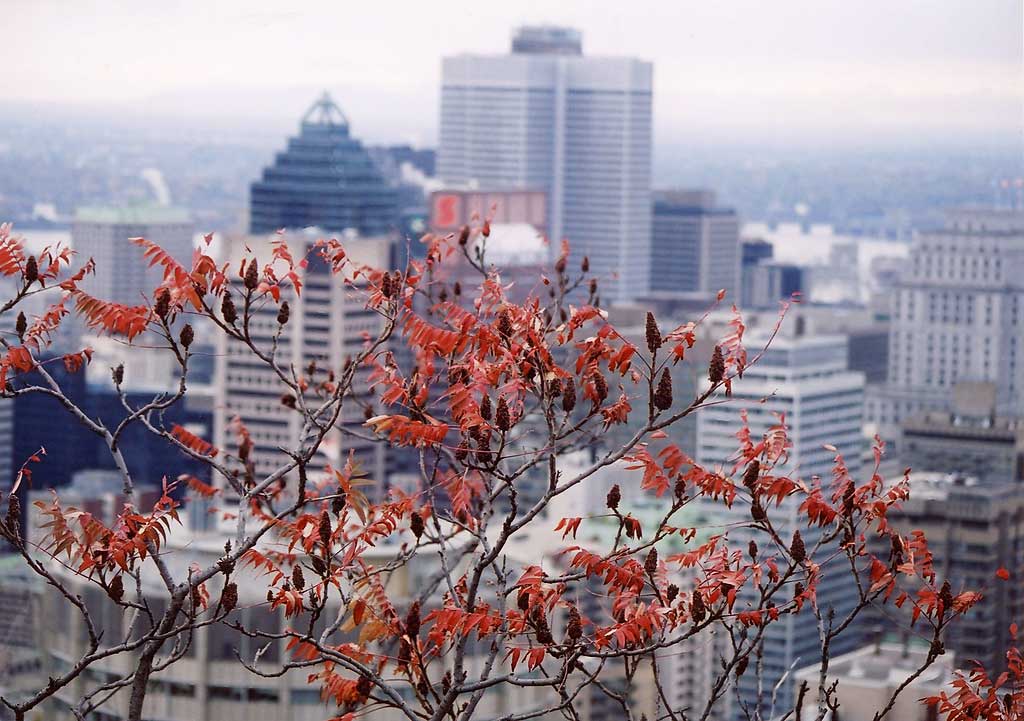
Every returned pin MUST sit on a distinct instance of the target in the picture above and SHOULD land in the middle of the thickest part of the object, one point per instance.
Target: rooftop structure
(324, 178)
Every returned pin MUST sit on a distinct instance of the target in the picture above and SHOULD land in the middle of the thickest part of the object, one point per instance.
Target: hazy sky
(758, 68)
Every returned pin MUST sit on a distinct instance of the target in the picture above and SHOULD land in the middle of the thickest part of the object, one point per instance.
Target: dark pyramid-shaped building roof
(324, 178)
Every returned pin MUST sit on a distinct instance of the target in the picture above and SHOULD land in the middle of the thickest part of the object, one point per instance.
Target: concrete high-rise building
(327, 325)
(973, 530)
(767, 282)
(805, 379)
(121, 274)
(970, 439)
(577, 127)
(695, 244)
(325, 178)
(957, 316)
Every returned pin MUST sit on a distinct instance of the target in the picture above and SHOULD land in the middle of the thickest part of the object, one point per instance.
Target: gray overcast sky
(733, 67)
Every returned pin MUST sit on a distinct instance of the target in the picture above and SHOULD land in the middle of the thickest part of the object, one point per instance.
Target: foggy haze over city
(743, 71)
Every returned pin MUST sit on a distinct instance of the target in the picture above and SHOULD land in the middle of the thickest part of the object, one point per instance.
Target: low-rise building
(867, 678)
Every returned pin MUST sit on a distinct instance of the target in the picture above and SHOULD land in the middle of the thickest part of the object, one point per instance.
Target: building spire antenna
(324, 111)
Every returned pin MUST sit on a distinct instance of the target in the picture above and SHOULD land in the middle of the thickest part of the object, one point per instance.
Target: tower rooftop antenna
(325, 112)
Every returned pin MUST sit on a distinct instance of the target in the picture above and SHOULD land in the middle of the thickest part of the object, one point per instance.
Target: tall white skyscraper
(957, 316)
(547, 117)
(804, 378)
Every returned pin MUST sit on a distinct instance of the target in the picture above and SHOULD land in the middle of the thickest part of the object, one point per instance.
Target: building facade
(695, 244)
(957, 316)
(970, 439)
(548, 117)
(324, 178)
(973, 530)
(121, 274)
(867, 678)
(329, 323)
(803, 379)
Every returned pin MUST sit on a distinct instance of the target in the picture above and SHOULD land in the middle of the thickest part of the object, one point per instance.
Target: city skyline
(737, 71)
(324, 404)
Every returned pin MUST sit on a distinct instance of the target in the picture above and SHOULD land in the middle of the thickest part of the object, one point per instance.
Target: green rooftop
(132, 215)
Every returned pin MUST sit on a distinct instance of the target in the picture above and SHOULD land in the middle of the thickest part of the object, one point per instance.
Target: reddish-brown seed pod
(163, 304)
(672, 592)
(115, 589)
(716, 368)
(31, 270)
(186, 336)
(502, 418)
(585, 265)
(227, 309)
(946, 595)
(600, 387)
(298, 577)
(574, 628)
(485, 407)
(613, 497)
(848, 500)
(416, 525)
(338, 502)
(796, 548)
(554, 388)
(283, 313)
(663, 394)
(568, 395)
(363, 687)
(318, 565)
(20, 326)
(680, 488)
(464, 235)
(540, 624)
(505, 324)
(741, 665)
(698, 611)
(651, 562)
(252, 275)
(652, 332)
(229, 597)
(751, 475)
(325, 529)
